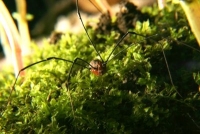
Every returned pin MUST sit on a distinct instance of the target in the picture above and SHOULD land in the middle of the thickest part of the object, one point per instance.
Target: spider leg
(91, 42)
(41, 61)
(167, 65)
(121, 39)
(75, 62)
(38, 62)
(145, 37)
(69, 76)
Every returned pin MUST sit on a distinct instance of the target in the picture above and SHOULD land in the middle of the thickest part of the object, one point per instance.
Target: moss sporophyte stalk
(150, 87)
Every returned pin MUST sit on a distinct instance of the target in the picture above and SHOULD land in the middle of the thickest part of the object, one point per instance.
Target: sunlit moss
(135, 95)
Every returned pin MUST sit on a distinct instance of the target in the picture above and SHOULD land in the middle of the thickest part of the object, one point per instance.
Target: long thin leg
(68, 79)
(146, 37)
(79, 15)
(38, 62)
(168, 69)
(50, 58)
(75, 62)
(97, 7)
(188, 46)
(169, 73)
(121, 39)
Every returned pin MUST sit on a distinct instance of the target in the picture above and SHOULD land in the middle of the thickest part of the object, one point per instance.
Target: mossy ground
(135, 95)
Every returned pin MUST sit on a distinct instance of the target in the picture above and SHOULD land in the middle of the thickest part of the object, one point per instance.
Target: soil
(126, 19)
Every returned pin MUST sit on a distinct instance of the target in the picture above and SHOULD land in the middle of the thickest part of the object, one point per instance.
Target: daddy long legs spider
(96, 66)
(133, 73)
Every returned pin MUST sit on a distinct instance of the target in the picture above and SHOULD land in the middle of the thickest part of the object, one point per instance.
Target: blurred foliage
(134, 96)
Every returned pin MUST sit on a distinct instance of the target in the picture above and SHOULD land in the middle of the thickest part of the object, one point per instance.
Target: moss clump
(136, 94)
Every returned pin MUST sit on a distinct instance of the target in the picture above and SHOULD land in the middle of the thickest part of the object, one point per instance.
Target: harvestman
(96, 66)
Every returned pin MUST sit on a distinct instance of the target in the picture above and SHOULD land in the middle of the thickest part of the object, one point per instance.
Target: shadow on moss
(134, 96)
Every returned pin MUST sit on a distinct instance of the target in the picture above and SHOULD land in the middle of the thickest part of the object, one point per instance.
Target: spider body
(97, 67)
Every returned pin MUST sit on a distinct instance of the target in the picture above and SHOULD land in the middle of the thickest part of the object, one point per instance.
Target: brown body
(97, 67)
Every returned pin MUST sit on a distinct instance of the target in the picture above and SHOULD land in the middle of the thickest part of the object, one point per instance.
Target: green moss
(135, 95)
